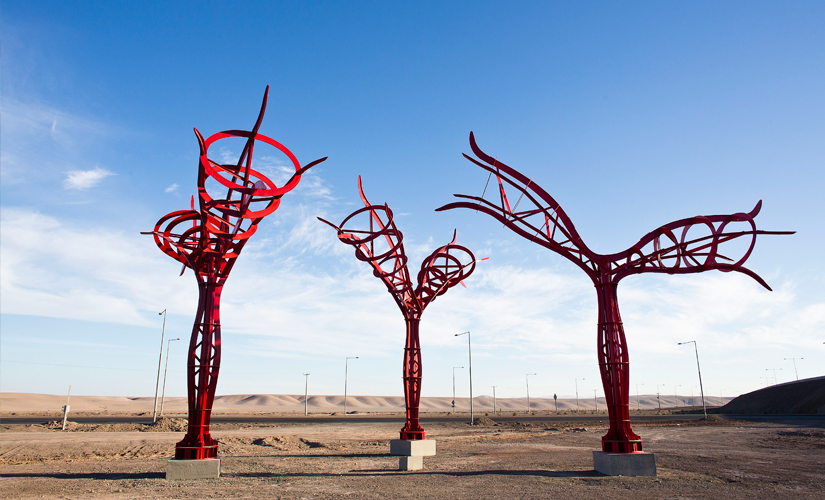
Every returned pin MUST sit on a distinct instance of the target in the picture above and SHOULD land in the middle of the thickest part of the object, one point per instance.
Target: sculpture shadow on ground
(101, 476)
(391, 471)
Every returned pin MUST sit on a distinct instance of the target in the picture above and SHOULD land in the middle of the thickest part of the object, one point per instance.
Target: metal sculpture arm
(442, 270)
(661, 251)
(222, 225)
(544, 222)
(389, 263)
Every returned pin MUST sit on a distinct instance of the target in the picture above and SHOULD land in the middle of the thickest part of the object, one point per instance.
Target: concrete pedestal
(410, 463)
(193, 469)
(625, 464)
(412, 453)
(422, 448)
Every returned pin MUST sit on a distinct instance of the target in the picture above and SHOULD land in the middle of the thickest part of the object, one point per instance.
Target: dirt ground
(716, 459)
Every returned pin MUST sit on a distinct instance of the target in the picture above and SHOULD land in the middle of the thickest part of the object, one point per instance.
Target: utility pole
(659, 394)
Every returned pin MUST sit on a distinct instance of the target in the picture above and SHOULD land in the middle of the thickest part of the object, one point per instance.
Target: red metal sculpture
(382, 247)
(210, 246)
(684, 246)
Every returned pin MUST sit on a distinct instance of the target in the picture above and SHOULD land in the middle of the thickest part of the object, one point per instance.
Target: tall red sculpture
(681, 247)
(381, 245)
(208, 241)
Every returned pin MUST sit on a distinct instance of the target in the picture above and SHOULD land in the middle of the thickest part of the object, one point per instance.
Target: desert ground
(720, 458)
(725, 459)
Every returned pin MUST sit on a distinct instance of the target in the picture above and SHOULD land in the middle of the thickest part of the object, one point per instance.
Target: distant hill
(803, 397)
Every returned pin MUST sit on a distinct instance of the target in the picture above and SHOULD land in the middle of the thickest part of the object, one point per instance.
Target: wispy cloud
(172, 188)
(298, 293)
(85, 179)
(36, 134)
(48, 268)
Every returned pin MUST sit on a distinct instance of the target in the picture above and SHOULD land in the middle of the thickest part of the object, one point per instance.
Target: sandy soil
(11, 403)
(717, 459)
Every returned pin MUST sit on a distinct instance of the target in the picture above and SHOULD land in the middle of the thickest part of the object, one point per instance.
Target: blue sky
(631, 115)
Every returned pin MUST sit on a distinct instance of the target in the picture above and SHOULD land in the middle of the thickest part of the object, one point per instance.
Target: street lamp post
(701, 389)
(794, 366)
(165, 369)
(494, 399)
(527, 378)
(596, 399)
(577, 392)
(470, 354)
(160, 360)
(676, 395)
(638, 401)
(306, 393)
(775, 381)
(346, 369)
(454, 386)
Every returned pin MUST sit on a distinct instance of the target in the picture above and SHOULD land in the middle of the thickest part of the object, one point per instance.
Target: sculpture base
(408, 448)
(412, 453)
(625, 464)
(410, 463)
(209, 468)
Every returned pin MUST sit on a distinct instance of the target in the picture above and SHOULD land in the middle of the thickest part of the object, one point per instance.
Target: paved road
(337, 419)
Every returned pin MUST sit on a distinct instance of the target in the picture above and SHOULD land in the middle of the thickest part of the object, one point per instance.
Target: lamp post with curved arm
(796, 373)
(306, 394)
(346, 370)
(527, 381)
(165, 369)
(577, 392)
(470, 356)
(160, 358)
(701, 388)
(454, 386)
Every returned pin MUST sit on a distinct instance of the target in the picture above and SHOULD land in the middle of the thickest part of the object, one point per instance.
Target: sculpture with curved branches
(689, 245)
(378, 242)
(220, 228)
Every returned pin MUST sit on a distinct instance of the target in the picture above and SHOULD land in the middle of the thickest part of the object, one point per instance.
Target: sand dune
(276, 403)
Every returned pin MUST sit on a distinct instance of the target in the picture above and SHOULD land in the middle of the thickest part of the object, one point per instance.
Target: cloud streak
(296, 293)
(85, 179)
